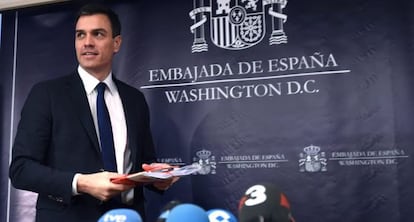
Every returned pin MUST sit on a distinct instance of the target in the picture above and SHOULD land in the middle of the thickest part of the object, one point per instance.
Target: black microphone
(165, 211)
(264, 203)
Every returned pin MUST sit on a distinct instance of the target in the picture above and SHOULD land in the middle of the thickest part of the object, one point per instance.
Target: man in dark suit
(57, 149)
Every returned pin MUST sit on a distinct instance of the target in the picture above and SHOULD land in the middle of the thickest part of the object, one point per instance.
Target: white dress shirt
(117, 116)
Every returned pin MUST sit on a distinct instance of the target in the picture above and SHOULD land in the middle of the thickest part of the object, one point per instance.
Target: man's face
(94, 44)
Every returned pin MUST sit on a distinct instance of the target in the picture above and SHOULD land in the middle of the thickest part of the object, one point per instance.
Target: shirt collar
(90, 82)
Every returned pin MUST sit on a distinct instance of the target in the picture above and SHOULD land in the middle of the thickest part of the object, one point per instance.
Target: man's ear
(117, 43)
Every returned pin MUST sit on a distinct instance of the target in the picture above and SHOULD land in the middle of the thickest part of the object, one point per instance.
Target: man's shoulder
(57, 85)
(127, 87)
(58, 81)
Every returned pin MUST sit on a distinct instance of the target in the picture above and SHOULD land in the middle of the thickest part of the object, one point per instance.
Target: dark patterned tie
(105, 130)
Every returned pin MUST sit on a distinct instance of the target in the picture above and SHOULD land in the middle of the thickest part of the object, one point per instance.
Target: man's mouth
(89, 53)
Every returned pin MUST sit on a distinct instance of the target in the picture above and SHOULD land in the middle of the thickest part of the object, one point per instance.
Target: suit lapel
(79, 99)
(130, 116)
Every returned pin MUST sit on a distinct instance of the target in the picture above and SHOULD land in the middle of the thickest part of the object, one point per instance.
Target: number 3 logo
(256, 194)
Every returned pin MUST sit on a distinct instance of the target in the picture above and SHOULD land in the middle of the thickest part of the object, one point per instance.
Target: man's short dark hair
(93, 9)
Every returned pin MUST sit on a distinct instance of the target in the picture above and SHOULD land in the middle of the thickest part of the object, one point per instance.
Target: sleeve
(29, 168)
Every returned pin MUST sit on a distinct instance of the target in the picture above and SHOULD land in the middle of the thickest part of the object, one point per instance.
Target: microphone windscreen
(264, 203)
(187, 213)
(165, 211)
(117, 215)
(220, 215)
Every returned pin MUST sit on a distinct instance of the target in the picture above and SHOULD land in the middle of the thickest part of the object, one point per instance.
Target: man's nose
(88, 41)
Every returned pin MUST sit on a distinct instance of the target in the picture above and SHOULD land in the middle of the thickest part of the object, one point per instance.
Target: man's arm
(28, 169)
(99, 186)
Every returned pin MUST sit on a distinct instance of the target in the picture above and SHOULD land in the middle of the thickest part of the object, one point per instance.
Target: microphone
(120, 215)
(264, 203)
(187, 213)
(166, 210)
(220, 215)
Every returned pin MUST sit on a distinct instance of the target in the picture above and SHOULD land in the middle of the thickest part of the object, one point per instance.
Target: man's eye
(80, 35)
(99, 34)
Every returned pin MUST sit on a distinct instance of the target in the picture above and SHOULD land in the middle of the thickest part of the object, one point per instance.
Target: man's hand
(100, 186)
(163, 184)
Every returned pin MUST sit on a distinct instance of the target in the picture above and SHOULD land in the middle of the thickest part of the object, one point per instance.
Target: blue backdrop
(314, 96)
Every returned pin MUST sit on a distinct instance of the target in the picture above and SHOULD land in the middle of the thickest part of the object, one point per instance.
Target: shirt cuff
(75, 185)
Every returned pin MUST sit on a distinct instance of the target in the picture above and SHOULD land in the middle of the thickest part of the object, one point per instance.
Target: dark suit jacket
(56, 138)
